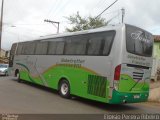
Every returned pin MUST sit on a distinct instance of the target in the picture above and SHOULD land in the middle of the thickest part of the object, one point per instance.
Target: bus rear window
(138, 41)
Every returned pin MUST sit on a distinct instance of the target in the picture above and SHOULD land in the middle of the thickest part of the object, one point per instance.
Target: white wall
(155, 67)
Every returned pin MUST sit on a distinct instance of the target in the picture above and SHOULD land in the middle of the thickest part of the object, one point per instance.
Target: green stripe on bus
(22, 65)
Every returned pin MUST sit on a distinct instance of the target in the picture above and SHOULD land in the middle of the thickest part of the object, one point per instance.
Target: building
(156, 50)
(4, 55)
(156, 58)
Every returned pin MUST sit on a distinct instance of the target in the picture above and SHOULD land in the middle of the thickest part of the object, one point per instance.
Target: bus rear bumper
(122, 97)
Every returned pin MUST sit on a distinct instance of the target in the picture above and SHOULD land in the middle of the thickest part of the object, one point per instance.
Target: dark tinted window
(108, 42)
(94, 46)
(52, 48)
(41, 48)
(87, 44)
(28, 48)
(13, 49)
(100, 43)
(76, 45)
(19, 49)
(139, 42)
(56, 46)
(60, 47)
(12, 53)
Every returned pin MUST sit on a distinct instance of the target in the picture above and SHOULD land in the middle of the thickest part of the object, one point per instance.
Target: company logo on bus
(139, 35)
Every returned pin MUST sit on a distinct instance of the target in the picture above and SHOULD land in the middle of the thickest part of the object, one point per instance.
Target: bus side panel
(80, 76)
(83, 83)
(89, 79)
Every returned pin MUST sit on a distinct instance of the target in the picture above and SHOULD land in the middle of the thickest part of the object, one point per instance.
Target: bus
(111, 64)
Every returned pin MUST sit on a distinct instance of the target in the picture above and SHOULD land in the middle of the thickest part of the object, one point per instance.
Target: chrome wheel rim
(64, 88)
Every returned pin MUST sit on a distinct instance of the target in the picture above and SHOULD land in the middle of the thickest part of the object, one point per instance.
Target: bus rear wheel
(64, 88)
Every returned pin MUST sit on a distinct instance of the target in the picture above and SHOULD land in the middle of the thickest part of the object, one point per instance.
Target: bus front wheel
(64, 88)
(17, 75)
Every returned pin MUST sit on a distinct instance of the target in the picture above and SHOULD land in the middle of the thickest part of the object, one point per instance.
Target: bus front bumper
(132, 97)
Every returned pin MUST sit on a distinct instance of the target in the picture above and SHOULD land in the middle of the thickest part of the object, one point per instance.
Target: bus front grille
(97, 85)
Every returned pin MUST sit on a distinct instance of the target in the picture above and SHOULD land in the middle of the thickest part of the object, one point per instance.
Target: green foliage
(78, 23)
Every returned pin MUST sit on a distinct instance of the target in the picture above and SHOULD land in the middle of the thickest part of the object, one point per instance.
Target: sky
(23, 20)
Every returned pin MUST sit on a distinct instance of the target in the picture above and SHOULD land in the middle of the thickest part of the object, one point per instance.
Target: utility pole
(53, 22)
(1, 23)
(123, 13)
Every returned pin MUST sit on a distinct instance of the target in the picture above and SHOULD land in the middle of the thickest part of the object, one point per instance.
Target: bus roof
(105, 28)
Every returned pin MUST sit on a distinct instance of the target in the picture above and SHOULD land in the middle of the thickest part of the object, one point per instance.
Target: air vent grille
(138, 75)
(97, 85)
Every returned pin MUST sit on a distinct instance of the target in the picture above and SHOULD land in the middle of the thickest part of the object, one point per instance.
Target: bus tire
(64, 89)
(17, 75)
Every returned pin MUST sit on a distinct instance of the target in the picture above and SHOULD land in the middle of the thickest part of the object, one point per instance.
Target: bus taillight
(117, 72)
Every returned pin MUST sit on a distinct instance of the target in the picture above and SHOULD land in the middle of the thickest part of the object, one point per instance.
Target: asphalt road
(26, 98)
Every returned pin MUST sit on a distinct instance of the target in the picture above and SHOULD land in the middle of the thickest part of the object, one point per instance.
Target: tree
(84, 23)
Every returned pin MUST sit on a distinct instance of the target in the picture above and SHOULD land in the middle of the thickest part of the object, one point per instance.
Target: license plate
(136, 96)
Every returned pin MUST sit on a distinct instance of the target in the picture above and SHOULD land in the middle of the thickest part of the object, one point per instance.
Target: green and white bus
(111, 64)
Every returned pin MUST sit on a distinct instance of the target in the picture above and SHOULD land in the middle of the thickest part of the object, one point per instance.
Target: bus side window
(52, 47)
(60, 48)
(108, 42)
(12, 53)
(19, 49)
(94, 44)
(41, 48)
(76, 45)
(56, 47)
(28, 48)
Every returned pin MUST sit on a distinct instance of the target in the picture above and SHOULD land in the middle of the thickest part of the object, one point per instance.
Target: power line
(101, 4)
(21, 8)
(30, 29)
(52, 7)
(115, 11)
(55, 8)
(105, 9)
(6, 31)
(117, 15)
(65, 4)
(37, 31)
(34, 30)
(21, 24)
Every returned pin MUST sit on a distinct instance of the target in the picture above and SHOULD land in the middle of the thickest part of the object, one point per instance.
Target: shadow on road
(120, 108)
(37, 86)
(105, 106)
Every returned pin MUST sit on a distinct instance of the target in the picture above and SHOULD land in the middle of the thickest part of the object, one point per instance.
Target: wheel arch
(16, 71)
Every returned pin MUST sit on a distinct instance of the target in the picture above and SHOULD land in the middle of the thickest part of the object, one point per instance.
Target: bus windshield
(139, 42)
